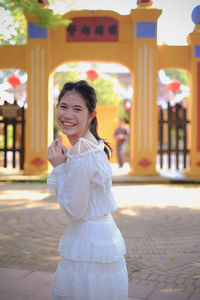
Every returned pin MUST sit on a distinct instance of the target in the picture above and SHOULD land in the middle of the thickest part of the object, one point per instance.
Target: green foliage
(9, 138)
(60, 78)
(55, 122)
(46, 18)
(105, 91)
(12, 27)
(122, 113)
(178, 74)
(104, 87)
(17, 28)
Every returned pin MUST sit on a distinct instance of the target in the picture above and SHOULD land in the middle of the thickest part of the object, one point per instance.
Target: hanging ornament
(174, 86)
(92, 75)
(14, 80)
(127, 106)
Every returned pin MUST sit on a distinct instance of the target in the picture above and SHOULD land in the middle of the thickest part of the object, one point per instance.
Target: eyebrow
(75, 105)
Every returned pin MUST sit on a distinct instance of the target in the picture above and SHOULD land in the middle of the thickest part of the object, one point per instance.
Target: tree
(13, 23)
(178, 74)
(16, 28)
(123, 114)
(13, 27)
(104, 87)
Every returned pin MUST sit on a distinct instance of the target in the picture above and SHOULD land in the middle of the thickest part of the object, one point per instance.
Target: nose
(68, 114)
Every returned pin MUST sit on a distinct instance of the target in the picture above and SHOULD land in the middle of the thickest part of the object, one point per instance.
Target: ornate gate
(12, 135)
(173, 149)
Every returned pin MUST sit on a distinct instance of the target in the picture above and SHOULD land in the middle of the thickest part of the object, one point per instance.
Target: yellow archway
(107, 115)
(130, 40)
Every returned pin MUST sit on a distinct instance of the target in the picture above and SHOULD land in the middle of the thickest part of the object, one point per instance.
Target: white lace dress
(92, 264)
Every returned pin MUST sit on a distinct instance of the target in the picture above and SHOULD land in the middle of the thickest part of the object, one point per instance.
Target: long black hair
(89, 95)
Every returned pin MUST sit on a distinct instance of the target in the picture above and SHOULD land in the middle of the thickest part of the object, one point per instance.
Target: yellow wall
(174, 57)
(13, 57)
(108, 121)
(118, 52)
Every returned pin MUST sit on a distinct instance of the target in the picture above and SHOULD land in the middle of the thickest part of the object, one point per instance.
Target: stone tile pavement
(160, 224)
(18, 284)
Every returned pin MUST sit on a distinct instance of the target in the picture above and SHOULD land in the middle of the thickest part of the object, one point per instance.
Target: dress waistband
(106, 217)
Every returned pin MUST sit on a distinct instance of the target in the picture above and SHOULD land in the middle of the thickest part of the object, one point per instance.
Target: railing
(173, 136)
(12, 134)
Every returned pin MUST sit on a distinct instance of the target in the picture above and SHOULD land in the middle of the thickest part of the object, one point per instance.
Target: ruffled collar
(91, 148)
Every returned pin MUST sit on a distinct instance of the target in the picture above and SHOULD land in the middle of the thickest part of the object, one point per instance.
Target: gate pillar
(144, 114)
(39, 115)
(194, 132)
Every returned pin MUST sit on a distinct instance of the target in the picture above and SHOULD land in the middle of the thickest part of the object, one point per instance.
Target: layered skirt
(92, 265)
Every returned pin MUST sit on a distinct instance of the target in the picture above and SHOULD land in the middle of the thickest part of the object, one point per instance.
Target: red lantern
(92, 75)
(127, 106)
(174, 86)
(14, 80)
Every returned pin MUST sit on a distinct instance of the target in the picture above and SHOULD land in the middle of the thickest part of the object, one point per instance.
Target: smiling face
(73, 116)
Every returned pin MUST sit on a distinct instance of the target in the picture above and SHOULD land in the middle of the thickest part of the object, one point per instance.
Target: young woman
(92, 264)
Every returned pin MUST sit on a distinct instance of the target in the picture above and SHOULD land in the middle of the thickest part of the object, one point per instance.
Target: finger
(52, 151)
(57, 145)
(64, 149)
(60, 146)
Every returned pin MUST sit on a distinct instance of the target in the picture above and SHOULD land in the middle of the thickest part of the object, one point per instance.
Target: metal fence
(173, 125)
(12, 135)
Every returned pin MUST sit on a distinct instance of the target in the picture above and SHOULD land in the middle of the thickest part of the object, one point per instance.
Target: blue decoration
(146, 29)
(197, 51)
(36, 32)
(196, 15)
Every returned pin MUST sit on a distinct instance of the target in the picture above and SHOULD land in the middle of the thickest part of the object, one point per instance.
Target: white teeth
(68, 124)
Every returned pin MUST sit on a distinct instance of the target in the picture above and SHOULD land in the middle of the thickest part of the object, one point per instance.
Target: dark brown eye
(63, 106)
(78, 109)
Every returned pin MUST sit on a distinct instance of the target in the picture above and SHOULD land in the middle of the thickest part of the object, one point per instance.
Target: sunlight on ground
(24, 195)
(126, 196)
(9, 170)
(120, 171)
(157, 196)
(26, 204)
(129, 212)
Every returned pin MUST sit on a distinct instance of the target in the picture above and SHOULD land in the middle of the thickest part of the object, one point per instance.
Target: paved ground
(160, 224)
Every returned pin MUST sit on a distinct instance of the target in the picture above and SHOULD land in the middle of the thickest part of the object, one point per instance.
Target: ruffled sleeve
(53, 177)
(72, 187)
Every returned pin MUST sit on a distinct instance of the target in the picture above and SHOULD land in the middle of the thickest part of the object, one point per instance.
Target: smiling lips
(68, 124)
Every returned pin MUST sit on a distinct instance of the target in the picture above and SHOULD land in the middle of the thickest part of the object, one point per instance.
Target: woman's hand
(56, 153)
